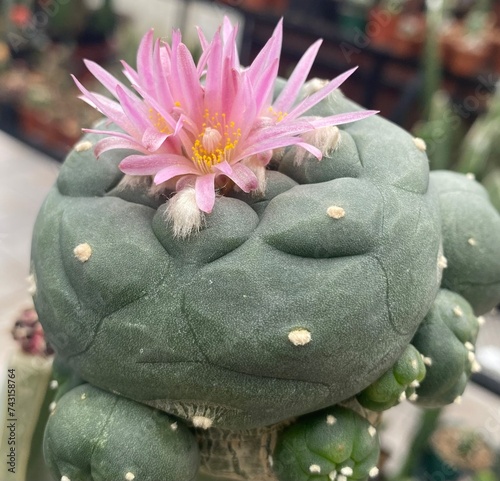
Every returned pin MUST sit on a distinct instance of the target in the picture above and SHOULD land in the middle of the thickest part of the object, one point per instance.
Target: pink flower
(195, 126)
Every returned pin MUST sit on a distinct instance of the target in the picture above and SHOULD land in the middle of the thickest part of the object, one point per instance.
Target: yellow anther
(159, 122)
(278, 116)
(215, 142)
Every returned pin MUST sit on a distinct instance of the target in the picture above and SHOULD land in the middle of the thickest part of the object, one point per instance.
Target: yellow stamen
(159, 122)
(215, 142)
(278, 116)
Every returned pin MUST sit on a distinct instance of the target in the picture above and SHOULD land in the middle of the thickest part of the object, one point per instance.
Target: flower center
(216, 141)
(211, 139)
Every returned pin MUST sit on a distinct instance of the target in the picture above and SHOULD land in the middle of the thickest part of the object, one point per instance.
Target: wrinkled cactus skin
(200, 327)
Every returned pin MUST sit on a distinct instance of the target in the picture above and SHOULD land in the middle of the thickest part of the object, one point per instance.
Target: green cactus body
(332, 444)
(397, 384)
(94, 435)
(471, 229)
(492, 184)
(446, 339)
(306, 294)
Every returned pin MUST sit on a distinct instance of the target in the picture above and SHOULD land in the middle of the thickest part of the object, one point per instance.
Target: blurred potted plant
(30, 390)
(49, 114)
(398, 26)
(467, 43)
(455, 450)
(481, 149)
(19, 29)
(449, 145)
(86, 25)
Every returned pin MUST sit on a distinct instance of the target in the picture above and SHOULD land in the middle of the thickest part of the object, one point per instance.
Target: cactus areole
(236, 252)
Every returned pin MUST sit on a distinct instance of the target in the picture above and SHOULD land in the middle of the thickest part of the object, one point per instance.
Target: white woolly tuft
(257, 164)
(184, 213)
(157, 190)
(134, 181)
(326, 139)
(278, 155)
(313, 86)
(260, 173)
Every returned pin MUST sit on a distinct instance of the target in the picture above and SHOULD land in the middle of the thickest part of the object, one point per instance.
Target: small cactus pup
(236, 271)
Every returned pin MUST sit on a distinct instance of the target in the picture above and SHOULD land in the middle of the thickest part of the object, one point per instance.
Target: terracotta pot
(409, 35)
(451, 33)
(275, 6)
(495, 56)
(469, 56)
(45, 132)
(381, 27)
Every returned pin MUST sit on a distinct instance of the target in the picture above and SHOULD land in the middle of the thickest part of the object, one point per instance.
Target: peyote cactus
(241, 332)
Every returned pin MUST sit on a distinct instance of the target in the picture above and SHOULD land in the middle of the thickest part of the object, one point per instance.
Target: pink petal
(340, 119)
(293, 127)
(232, 102)
(269, 144)
(176, 40)
(144, 59)
(107, 107)
(185, 181)
(110, 143)
(243, 105)
(162, 109)
(104, 77)
(186, 81)
(174, 170)
(214, 87)
(271, 50)
(134, 109)
(202, 62)
(109, 132)
(205, 192)
(148, 164)
(203, 40)
(318, 96)
(161, 69)
(153, 139)
(228, 29)
(289, 93)
(224, 168)
(312, 149)
(241, 175)
(229, 34)
(130, 73)
(265, 86)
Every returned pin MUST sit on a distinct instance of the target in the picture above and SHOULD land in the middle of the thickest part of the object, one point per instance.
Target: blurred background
(431, 66)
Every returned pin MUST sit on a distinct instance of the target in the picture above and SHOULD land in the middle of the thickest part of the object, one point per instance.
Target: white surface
(25, 178)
